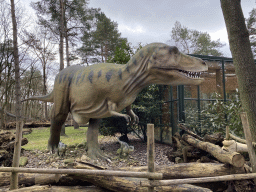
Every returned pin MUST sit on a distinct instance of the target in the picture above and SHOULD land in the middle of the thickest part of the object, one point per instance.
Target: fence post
(227, 133)
(151, 151)
(248, 138)
(16, 154)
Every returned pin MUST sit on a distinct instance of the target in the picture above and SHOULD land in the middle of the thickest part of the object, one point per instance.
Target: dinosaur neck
(136, 75)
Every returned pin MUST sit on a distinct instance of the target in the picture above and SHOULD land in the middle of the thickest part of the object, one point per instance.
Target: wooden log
(240, 139)
(48, 188)
(83, 172)
(199, 180)
(111, 183)
(190, 132)
(190, 155)
(6, 137)
(193, 170)
(10, 146)
(131, 184)
(232, 158)
(232, 145)
(175, 188)
(118, 184)
(215, 138)
(177, 143)
(30, 179)
(176, 171)
(12, 125)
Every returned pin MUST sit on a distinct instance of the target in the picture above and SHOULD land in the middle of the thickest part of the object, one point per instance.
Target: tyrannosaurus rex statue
(103, 90)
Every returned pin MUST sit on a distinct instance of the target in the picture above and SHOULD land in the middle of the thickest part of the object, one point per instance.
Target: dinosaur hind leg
(93, 147)
(57, 120)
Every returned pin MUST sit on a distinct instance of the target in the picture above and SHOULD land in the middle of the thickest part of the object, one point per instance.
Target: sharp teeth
(191, 74)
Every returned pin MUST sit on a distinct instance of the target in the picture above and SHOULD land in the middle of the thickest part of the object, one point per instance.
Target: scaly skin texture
(103, 90)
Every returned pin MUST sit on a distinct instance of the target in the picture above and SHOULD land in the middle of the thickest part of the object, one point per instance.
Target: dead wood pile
(208, 149)
(7, 141)
(211, 160)
(113, 183)
(33, 124)
(191, 147)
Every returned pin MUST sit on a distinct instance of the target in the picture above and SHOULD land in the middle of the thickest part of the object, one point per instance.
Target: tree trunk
(16, 156)
(61, 34)
(61, 48)
(44, 93)
(66, 36)
(44, 87)
(242, 57)
(2, 119)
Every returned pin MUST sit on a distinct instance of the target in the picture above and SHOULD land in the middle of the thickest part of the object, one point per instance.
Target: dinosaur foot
(98, 154)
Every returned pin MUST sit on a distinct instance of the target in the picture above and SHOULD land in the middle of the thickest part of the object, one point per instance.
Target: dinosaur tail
(47, 98)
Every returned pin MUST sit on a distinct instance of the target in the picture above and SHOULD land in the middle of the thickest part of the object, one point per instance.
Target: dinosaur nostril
(203, 63)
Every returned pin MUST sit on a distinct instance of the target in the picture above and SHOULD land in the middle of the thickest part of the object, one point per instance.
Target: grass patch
(38, 139)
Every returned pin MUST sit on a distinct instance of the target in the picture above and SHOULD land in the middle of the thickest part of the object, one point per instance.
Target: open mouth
(195, 75)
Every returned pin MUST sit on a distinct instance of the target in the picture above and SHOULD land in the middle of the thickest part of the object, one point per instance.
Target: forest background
(69, 32)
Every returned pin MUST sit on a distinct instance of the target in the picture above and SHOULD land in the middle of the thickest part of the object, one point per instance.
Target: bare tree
(42, 47)
(17, 148)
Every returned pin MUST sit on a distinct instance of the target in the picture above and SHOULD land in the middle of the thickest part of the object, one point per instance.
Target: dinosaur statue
(124, 149)
(103, 90)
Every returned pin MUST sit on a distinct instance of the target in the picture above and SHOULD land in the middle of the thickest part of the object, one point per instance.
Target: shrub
(216, 116)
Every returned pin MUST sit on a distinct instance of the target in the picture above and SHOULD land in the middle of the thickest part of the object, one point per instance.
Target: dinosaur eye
(173, 50)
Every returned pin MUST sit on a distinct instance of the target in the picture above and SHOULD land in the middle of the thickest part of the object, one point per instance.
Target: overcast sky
(150, 21)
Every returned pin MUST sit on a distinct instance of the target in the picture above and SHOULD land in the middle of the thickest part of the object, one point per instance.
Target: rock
(68, 161)
(54, 164)
(178, 160)
(23, 161)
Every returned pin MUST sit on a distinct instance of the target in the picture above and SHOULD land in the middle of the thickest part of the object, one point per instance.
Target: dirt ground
(110, 145)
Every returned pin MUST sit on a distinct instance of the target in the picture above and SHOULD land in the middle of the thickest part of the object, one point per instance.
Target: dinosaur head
(170, 67)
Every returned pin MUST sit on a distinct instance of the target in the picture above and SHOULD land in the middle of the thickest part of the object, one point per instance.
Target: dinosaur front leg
(112, 108)
(130, 112)
(93, 147)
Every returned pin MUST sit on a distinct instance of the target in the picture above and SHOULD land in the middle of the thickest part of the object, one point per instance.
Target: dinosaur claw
(128, 119)
(136, 120)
